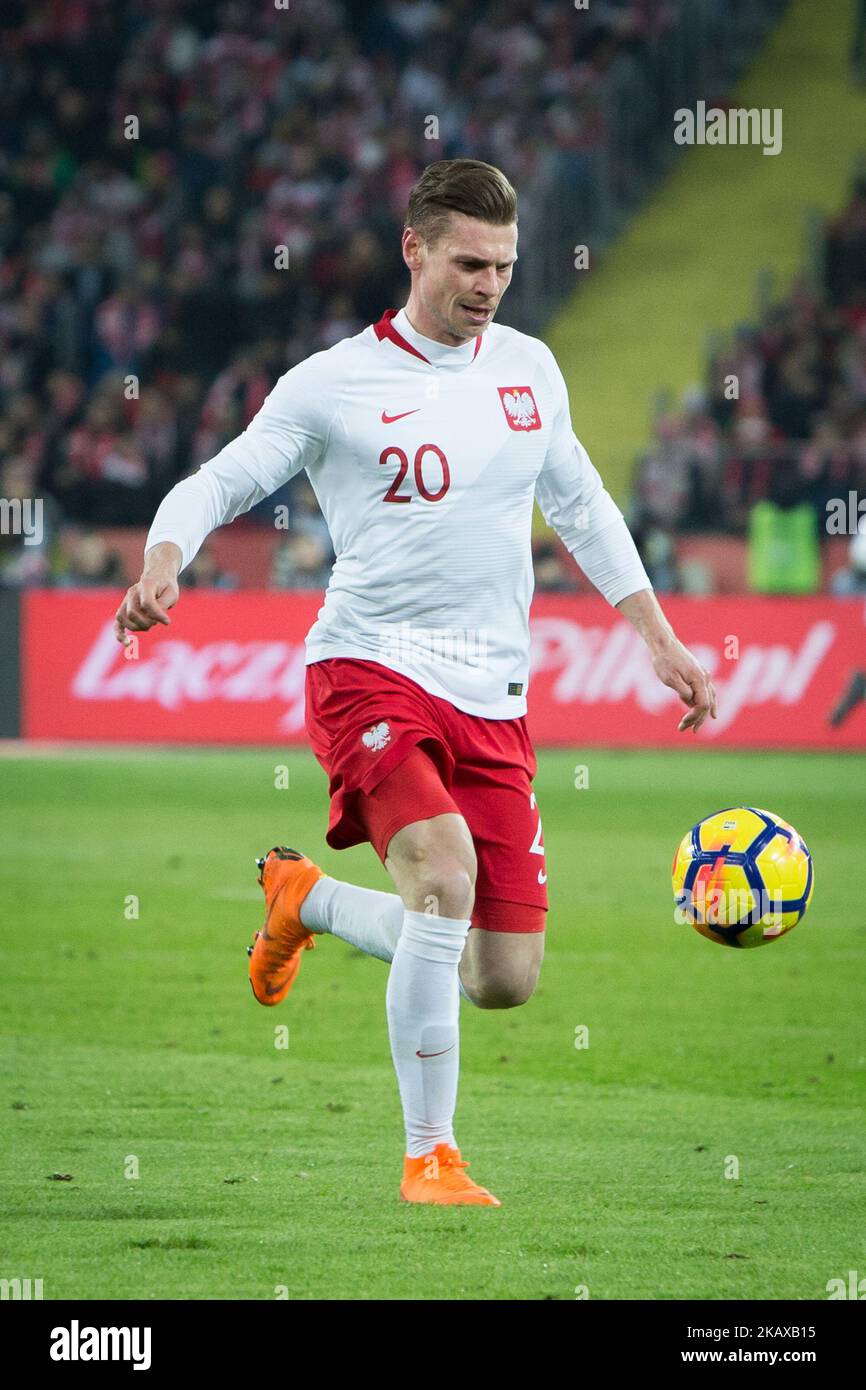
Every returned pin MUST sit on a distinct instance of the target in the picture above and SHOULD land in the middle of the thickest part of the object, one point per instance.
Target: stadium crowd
(154, 161)
(782, 415)
(194, 197)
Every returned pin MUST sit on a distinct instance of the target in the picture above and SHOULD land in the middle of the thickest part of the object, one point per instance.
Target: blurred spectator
(301, 562)
(852, 579)
(86, 560)
(126, 326)
(846, 256)
(678, 479)
(783, 549)
(657, 548)
(104, 475)
(305, 518)
(553, 571)
(203, 572)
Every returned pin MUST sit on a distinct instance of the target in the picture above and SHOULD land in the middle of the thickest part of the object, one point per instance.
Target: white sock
(423, 1007)
(366, 918)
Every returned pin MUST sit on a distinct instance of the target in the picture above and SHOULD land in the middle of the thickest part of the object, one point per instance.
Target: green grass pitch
(135, 1046)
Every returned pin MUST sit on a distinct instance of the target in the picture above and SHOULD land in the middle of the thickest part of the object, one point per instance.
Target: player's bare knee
(501, 991)
(447, 886)
(434, 867)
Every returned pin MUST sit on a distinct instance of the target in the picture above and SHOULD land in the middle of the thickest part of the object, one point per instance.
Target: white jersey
(425, 460)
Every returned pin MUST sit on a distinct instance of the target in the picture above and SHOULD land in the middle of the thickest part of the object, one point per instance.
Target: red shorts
(364, 720)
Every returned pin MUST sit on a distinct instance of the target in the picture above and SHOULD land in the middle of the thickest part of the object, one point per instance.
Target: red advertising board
(230, 669)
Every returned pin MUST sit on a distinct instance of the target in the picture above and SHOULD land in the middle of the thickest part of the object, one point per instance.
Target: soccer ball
(742, 877)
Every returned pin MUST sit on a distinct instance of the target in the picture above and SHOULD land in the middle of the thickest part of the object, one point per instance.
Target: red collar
(385, 329)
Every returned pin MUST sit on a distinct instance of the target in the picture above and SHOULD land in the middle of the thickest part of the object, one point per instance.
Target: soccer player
(426, 438)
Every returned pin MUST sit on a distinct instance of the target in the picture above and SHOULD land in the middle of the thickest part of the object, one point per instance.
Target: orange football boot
(439, 1177)
(275, 955)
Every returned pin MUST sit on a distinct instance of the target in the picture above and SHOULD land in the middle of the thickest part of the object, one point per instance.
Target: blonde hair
(460, 185)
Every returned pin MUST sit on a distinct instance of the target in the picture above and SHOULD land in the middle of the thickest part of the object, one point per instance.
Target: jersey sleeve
(288, 433)
(575, 502)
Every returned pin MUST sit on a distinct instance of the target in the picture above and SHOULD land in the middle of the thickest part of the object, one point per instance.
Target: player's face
(457, 282)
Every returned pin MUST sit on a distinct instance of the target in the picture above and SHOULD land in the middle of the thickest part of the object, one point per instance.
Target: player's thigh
(433, 865)
(501, 811)
(421, 836)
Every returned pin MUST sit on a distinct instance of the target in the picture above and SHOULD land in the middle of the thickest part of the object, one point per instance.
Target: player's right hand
(145, 604)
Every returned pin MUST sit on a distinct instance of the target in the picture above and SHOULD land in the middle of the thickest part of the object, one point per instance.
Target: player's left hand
(676, 667)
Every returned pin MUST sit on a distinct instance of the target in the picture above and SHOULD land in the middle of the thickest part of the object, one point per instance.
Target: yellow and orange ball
(742, 877)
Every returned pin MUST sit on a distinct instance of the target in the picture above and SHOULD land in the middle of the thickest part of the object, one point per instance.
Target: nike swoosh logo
(389, 419)
(542, 876)
(445, 1049)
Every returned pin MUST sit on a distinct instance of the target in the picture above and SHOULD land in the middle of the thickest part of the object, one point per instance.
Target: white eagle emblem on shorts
(521, 412)
(377, 737)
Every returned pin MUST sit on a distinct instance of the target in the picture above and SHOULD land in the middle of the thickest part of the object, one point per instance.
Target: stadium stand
(780, 426)
(153, 160)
